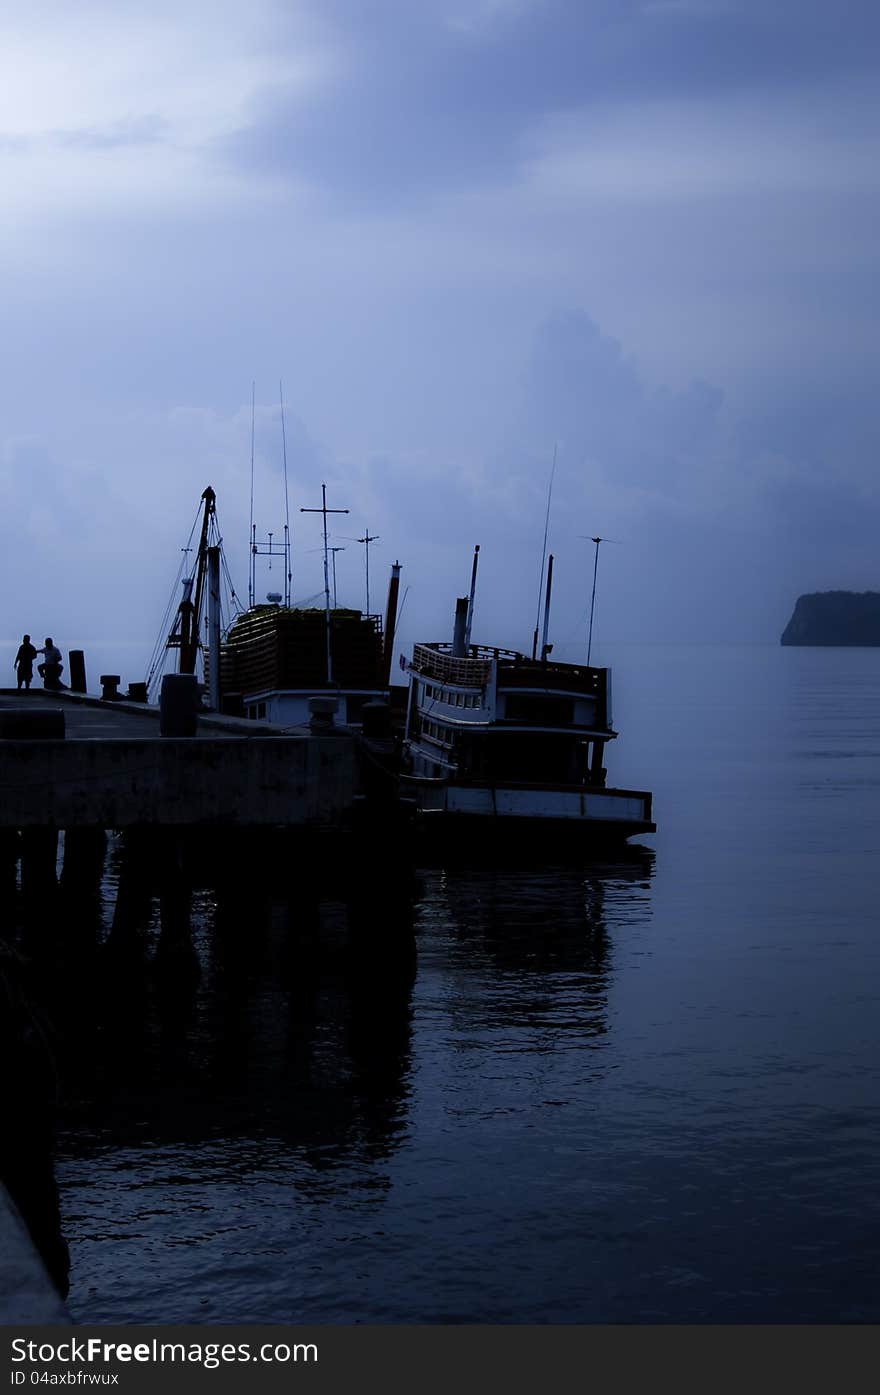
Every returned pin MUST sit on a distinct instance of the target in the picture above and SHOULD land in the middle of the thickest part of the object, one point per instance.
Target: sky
(466, 236)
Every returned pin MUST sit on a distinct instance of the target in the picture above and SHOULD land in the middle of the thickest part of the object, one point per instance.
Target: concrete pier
(113, 769)
(302, 862)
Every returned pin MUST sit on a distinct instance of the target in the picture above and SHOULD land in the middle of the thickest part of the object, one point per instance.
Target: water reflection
(516, 970)
(309, 1050)
(225, 1120)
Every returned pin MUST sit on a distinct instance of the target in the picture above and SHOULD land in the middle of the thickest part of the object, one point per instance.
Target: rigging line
(232, 591)
(544, 549)
(251, 531)
(400, 612)
(286, 499)
(160, 648)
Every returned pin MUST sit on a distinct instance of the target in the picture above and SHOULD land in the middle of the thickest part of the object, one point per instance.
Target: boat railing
(438, 661)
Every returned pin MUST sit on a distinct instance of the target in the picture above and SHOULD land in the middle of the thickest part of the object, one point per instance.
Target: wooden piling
(39, 855)
(85, 850)
(135, 884)
(9, 845)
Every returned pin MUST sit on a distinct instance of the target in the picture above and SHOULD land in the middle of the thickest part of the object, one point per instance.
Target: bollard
(137, 692)
(110, 687)
(77, 661)
(179, 705)
(322, 712)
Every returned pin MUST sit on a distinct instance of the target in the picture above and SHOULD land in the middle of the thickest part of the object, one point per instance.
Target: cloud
(427, 98)
(460, 231)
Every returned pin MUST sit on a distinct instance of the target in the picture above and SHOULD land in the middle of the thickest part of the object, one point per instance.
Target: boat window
(545, 709)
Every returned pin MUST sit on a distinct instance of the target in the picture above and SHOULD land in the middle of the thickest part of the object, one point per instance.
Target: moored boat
(496, 738)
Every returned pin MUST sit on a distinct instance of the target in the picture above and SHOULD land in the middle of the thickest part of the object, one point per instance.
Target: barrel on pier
(179, 704)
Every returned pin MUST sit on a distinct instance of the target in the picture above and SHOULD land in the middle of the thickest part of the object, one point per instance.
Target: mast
(390, 623)
(324, 510)
(214, 627)
(544, 551)
(593, 598)
(288, 569)
(470, 613)
(191, 609)
(252, 532)
(545, 647)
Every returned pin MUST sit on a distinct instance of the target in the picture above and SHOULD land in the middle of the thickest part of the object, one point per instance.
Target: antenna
(288, 568)
(544, 553)
(333, 552)
(366, 540)
(324, 510)
(251, 577)
(597, 541)
(270, 548)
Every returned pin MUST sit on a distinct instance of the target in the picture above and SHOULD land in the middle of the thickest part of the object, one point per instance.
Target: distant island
(835, 617)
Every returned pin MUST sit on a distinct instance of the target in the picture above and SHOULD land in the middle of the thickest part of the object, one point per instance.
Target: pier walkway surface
(112, 768)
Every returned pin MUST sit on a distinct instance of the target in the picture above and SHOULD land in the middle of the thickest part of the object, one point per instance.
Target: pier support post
(8, 887)
(134, 891)
(39, 885)
(175, 955)
(84, 852)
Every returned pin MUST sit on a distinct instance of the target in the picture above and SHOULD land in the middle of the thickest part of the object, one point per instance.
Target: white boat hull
(615, 811)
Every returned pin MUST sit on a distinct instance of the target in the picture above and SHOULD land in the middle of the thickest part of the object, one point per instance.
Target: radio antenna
(288, 581)
(251, 579)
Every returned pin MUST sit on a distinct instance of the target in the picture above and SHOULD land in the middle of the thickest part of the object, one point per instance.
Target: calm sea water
(642, 1089)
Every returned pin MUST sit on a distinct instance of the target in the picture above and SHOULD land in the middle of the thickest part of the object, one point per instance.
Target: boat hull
(604, 815)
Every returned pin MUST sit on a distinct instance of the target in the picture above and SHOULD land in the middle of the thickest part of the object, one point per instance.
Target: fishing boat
(496, 738)
(278, 662)
(274, 662)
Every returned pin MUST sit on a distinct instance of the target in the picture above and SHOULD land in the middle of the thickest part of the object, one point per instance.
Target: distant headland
(835, 617)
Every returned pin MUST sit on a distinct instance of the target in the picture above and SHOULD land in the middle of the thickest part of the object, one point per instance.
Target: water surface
(640, 1089)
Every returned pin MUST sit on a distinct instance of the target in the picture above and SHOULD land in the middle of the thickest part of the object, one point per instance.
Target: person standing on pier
(24, 662)
(50, 669)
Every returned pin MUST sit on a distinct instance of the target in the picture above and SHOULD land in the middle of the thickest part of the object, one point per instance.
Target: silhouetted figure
(24, 662)
(50, 669)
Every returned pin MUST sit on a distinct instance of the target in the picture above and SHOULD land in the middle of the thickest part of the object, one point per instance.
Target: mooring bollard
(137, 692)
(179, 705)
(110, 687)
(322, 712)
(77, 661)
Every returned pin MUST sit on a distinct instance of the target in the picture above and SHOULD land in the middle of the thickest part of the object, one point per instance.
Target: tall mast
(324, 510)
(593, 598)
(470, 612)
(390, 623)
(545, 647)
(252, 532)
(213, 568)
(288, 569)
(189, 637)
(544, 552)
